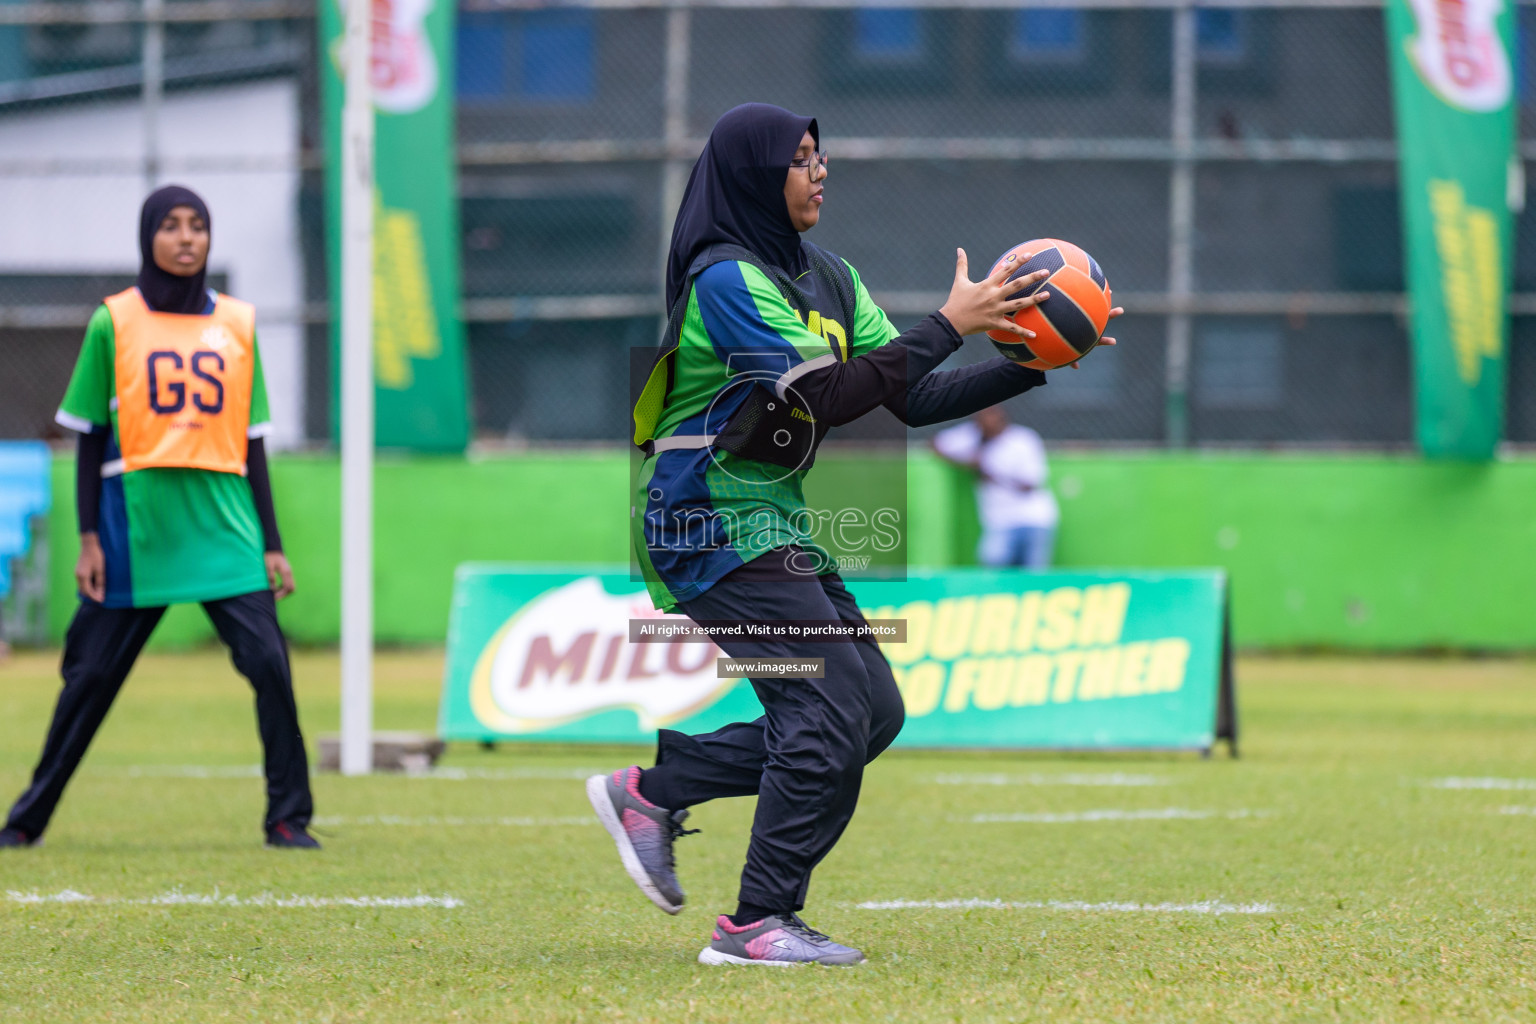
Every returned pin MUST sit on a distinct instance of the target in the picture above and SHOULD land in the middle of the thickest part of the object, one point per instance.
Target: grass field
(1368, 858)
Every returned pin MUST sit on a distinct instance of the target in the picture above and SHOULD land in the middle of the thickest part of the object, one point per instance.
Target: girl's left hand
(1117, 311)
(279, 574)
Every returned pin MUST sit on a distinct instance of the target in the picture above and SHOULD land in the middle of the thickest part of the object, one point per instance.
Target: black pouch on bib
(771, 429)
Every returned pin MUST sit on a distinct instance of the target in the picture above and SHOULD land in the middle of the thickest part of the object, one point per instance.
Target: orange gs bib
(183, 384)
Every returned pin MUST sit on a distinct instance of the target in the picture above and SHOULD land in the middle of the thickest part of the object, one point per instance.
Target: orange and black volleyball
(1069, 323)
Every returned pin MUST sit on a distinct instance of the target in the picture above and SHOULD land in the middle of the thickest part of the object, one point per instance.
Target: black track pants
(804, 759)
(100, 648)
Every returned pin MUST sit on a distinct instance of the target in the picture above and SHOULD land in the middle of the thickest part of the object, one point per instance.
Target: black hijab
(736, 192)
(164, 291)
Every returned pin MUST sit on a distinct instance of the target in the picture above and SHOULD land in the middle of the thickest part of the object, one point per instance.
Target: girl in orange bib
(175, 505)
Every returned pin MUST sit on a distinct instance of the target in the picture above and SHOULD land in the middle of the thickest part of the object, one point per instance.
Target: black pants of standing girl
(804, 759)
(101, 646)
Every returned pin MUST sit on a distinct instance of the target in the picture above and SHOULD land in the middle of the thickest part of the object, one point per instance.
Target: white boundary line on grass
(186, 771)
(432, 821)
(1486, 782)
(253, 771)
(1517, 810)
(1042, 779)
(177, 898)
(459, 774)
(1200, 907)
(1074, 817)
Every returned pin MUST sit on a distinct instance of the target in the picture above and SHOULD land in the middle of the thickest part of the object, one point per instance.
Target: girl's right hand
(91, 569)
(975, 306)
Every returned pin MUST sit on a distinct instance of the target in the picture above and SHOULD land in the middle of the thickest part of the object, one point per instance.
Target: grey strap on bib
(682, 441)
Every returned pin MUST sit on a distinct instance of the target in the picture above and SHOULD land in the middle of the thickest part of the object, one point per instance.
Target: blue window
(888, 33)
(13, 54)
(1240, 367)
(541, 56)
(482, 56)
(557, 56)
(1524, 36)
(1221, 34)
(1047, 32)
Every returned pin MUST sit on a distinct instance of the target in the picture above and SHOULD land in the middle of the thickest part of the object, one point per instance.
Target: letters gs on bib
(168, 384)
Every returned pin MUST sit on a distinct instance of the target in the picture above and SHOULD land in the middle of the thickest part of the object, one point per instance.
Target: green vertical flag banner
(1454, 88)
(418, 338)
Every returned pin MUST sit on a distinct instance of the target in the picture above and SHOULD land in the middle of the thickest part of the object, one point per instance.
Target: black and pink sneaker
(16, 837)
(289, 835)
(643, 833)
(781, 940)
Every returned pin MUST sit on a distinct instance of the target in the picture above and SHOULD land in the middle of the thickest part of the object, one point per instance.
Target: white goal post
(357, 398)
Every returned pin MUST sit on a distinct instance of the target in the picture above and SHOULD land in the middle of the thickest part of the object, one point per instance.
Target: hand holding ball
(1067, 324)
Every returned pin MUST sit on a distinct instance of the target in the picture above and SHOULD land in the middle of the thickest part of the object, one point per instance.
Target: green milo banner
(1456, 133)
(418, 338)
(995, 659)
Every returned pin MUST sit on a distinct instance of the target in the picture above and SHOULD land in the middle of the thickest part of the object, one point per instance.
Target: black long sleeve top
(901, 376)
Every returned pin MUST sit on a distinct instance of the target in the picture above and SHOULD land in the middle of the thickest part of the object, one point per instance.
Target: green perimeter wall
(1323, 550)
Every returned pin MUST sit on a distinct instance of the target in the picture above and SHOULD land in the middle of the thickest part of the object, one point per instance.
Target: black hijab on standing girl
(163, 291)
(736, 192)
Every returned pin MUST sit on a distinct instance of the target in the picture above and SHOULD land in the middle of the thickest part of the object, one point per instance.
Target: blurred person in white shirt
(1013, 498)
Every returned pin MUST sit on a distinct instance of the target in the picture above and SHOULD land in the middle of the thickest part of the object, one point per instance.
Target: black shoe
(16, 837)
(288, 836)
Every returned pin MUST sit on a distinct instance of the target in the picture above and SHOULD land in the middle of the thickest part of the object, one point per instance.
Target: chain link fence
(1231, 167)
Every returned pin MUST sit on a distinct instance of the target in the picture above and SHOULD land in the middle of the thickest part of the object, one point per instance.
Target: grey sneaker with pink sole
(643, 832)
(780, 940)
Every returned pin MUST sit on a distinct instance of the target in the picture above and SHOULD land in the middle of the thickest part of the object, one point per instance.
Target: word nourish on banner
(1471, 276)
(1058, 646)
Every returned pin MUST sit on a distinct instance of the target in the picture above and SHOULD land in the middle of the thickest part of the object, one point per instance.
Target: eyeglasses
(810, 163)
